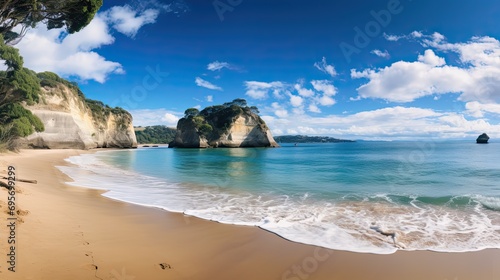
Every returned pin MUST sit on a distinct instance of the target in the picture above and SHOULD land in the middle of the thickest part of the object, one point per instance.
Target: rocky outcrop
(72, 122)
(483, 139)
(229, 126)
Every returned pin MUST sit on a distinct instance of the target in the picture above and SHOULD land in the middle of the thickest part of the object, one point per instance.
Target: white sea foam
(492, 203)
(370, 225)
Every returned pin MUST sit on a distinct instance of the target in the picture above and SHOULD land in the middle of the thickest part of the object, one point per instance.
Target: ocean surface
(370, 197)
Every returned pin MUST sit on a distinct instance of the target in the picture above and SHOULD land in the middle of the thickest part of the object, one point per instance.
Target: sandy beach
(66, 232)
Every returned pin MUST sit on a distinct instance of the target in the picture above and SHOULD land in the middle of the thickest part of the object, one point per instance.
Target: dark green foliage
(52, 80)
(254, 110)
(199, 120)
(155, 135)
(50, 76)
(205, 129)
(25, 85)
(101, 112)
(13, 59)
(213, 121)
(72, 14)
(17, 83)
(7, 138)
(222, 116)
(76, 14)
(22, 120)
(191, 112)
(240, 102)
(308, 139)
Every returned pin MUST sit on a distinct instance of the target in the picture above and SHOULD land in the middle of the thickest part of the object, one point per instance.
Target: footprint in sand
(165, 266)
(22, 212)
(90, 267)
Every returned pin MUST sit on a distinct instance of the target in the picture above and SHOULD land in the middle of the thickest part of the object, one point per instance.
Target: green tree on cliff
(72, 14)
(17, 85)
(191, 112)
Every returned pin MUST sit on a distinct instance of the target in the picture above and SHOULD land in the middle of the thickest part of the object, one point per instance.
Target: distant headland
(308, 139)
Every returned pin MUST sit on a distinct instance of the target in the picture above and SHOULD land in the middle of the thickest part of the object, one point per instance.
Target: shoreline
(76, 233)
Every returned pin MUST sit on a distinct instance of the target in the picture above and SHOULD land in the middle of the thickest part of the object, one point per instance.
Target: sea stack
(483, 139)
(231, 125)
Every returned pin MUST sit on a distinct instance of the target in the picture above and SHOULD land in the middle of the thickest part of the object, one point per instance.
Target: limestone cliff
(229, 125)
(71, 121)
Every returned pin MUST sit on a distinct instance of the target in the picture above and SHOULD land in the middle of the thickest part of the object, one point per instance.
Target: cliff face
(219, 126)
(246, 131)
(188, 136)
(70, 122)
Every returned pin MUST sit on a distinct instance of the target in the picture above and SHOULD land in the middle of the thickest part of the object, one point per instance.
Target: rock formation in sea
(231, 125)
(71, 121)
(483, 139)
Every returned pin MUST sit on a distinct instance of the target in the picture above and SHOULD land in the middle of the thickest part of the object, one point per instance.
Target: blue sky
(351, 69)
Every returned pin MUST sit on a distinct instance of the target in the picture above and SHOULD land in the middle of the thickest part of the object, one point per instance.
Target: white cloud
(384, 54)
(210, 98)
(202, 83)
(260, 90)
(389, 123)
(431, 59)
(300, 100)
(298, 110)
(325, 100)
(296, 101)
(303, 91)
(148, 117)
(278, 93)
(476, 77)
(416, 34)
(393, 38)
(324, 67)
(73, 55)
(216, 66)
(437, 37)
(314, 109)
(279, 110)
(325, 87)
(407, 81)
(170, 119)
(478, 110)
(128, 21)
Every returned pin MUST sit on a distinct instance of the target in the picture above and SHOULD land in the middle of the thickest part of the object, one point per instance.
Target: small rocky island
(483, 139)
(231, 125)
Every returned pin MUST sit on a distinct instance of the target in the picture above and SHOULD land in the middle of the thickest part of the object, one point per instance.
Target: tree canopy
(17, 84)
(191, 112)
(155, 135)
(72, 14)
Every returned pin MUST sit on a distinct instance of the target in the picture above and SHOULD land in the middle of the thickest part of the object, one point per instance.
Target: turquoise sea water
(442, 196)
